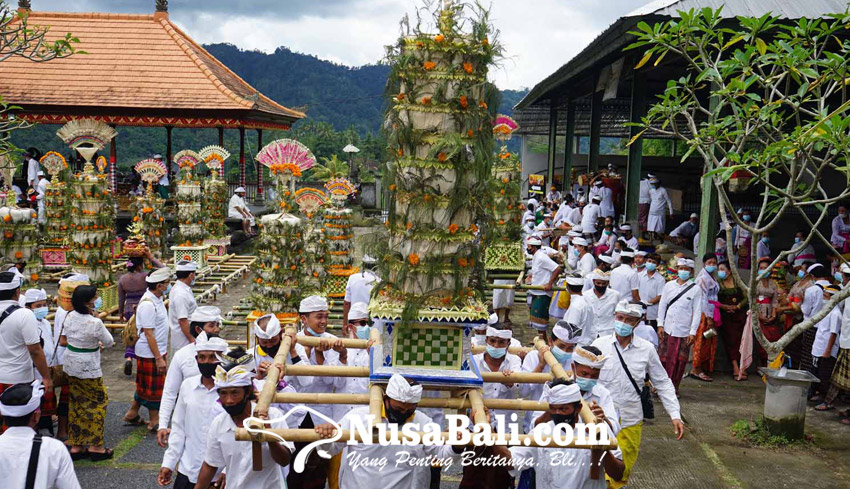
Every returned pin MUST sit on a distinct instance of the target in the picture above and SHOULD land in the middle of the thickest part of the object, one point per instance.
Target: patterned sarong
(87, 412)
(674, 353)
(149, 383)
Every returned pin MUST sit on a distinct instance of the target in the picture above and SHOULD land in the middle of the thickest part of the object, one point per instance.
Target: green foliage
(756, 434)
(332, 167)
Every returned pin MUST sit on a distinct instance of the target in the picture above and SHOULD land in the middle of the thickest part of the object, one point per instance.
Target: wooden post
(595, 127)
(242, 156)
(259, 199)
(221, 137)
(168, 154)
(708, 209)
(113, 162)
(553, 137)
(568, 145)
(635, 162)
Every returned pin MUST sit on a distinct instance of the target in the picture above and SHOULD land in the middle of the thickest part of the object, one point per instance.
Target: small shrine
(191, 230)
(54, 249)
(148, 208)
(215, 200)
(339, 238)
(504, 250)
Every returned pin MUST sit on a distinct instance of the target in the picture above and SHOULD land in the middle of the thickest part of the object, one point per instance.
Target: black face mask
(237, 409)
(600, 288)
(207, 369)
(272, 350)
(396, 416)
(570, 419)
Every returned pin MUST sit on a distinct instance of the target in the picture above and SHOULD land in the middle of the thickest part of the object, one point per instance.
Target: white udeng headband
(272, 327)
(238, 376)
(500, 333)
(562, 394)
(584, 357)
(29, 407)
(400, 389)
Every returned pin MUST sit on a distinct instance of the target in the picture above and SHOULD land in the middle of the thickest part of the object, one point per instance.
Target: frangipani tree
(769, 98)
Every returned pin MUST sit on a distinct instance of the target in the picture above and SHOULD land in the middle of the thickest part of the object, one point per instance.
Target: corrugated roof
(132, 62)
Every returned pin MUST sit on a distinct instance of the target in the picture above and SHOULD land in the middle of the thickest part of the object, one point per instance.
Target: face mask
(40, 312)
(98, 303)
(711, 268)
(236, 409)
(560, 355)
(765, 240)
(192, 283)
(207, 369)
(600, 288)
(313, 332)
(363, 332)
(480, 337)
(272, 350)
(569, 419)
(842, 215)
(651, 267)
(684, 274)
(640, 265)
(586, 385)
(623, 329)
(722, 274)
(797, 240)
(496, 352)
(838, 278)
(576, 252)
(801, 274)
(607, 233)
(764, 274)
(747, 218)
(168, 289)
(396, 416)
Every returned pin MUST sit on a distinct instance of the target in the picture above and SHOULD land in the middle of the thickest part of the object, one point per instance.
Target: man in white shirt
(32, 167)
(644, 200)
(679, 314)
(602, 300)
(564, 405)
(659, 208)
(624, 382)
(497, 359)
(553, 195)
(628, 238)
(650, 286)
(359, 286)
(41, 190)
(684, 232)
(544, 229)
(360, 327)
(163, 183)
(204, 324)
(181, 304)
(590, 217)
(584, 259)
(624, 279)
(20, 349)
(399, 408)
(197, 404)
(607, 198)
(573, 217)
(236, 394)
(544, 273)
(151, 364)
(53, 466)
(238, 209)
(840, 380)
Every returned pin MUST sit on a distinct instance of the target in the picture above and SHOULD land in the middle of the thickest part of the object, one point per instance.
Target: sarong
(825, 366)
(87, 412)
(705, 349)
(503, 298)
(657, 223)
(629, 441)
(539, 311)
(643, 216)
(840, 380)
(744, 254)
(806, 349)
(149, 383)
(674, 353)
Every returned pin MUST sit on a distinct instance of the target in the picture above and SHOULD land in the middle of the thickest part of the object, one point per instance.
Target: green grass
(124, 446)
(755, 433)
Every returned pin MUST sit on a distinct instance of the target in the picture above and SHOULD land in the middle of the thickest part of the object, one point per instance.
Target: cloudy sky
(539, 35)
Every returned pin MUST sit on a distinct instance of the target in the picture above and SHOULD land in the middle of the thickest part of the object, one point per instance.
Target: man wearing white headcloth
(497, 359)
(564, 406)
(602, 300)
(197, 404)
(21, 447)
(205, 323)
(679, 314)
(660, 207)
(644, 200)
(360, 327)
(630, 360)
(480, 331)
(181, 304)
(236, 395)
(20, 349)
(627, 236)
(624, 279)
(36, 301)
(399, 407)
(359, 286)
(544, 273)
(238, 209)
(565, 338)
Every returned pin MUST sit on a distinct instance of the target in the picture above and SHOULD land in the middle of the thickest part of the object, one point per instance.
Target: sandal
(824, 407)
(99, 456)
(84, 454)
(844, 421)
(702, 377)
(137, 421)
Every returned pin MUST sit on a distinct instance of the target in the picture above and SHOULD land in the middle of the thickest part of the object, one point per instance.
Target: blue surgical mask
(363, 332)
(722, 274)
(576, 252)
(711, 268)
(839, 277)
(496, 352)
(764, 274)
(746, 218)
(651, 266)
(98, 303)
(801, 274)
(684, 274)
(168, 289)
(312, 331)
(480, 337)
(40, 312)
(560, 355)
(797, 240)
(623, 329)
(584, 384)
(765, 240)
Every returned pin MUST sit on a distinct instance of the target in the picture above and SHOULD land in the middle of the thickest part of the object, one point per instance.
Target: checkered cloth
(429, 347)
(149, 383)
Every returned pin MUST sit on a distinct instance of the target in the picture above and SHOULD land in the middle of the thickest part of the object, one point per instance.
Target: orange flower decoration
(420, 44)
(483, 105)
(506, 180)
(409, 225)
(7, 218)
(473, 228)
(429, 65)
(442, 157)
(392, 188)
(469, 133)
(293, 267)
(485, 42)
(467, 67)
(426, 100)
(464, 102)
(462, 262)
(439, 38)
(502, 191)
(18, 255)
(453, 228)
(400, 97)
(34, 277)
(400, 152)
(413, 259)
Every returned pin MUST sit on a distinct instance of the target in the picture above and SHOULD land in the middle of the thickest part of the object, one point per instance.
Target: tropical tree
(332, 167)
(767, 97)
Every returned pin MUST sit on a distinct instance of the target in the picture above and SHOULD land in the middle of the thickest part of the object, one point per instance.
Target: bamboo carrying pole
(460, 403)
(346, 371)
(521, 287)
(309, 436)
(273, 375)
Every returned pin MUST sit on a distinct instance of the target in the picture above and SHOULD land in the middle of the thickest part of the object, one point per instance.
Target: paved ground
(708, 458)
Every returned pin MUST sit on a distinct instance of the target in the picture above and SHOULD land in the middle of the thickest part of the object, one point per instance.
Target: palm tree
(332, 167)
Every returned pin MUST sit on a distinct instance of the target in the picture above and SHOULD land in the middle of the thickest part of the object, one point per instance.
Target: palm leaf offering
(151, 170)
(214, 157)
(53, 162)
(504, 127)
(340, 187)
(286, 155)
(187, 159)
(89, 132)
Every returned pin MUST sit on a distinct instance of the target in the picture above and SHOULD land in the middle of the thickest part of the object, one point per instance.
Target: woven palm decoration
(340, 186)
(310, 199)
(53, 162)
(504, 127)
(151, 170)
(187, 159)
(283, 154)
(214, 157)
(91, 132)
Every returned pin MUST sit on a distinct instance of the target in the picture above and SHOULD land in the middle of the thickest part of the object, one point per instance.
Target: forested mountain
(342, 104)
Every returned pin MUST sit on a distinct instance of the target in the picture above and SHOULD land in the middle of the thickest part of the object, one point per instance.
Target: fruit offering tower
(148, 208)
(339, 259)
(215, 200)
